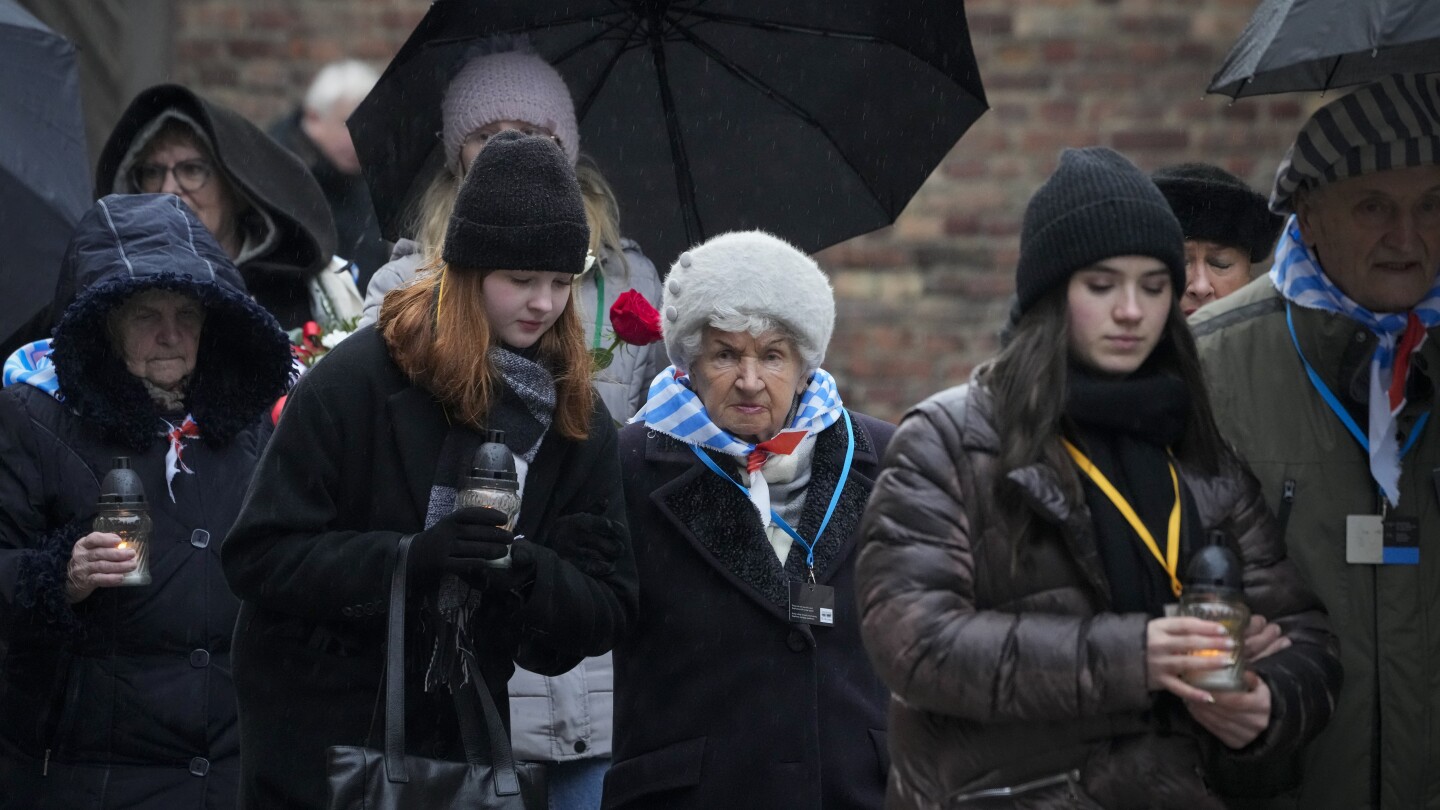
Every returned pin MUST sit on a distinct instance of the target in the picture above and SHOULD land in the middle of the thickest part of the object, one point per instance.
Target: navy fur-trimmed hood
(129, 243)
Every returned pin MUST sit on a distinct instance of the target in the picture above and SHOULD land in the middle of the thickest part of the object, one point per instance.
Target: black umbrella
(44, 169)
(1292, 45)
(815, 119)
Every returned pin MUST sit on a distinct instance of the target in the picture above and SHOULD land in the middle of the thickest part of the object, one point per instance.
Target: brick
(1060, 52)
(988, 25)
(1152, 139)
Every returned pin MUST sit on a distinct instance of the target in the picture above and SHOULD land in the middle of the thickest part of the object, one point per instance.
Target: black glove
(590, 542)
(459, 543)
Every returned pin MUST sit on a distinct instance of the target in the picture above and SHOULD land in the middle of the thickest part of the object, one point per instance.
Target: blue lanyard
(1337, 407)
(779, 521)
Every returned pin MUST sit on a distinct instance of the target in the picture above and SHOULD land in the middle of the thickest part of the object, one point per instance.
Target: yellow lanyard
(1171, 560)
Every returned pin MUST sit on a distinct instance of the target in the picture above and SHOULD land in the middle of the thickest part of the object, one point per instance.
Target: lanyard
(599, 300)
(1334, 402)
(779, 521)
(1171, 561)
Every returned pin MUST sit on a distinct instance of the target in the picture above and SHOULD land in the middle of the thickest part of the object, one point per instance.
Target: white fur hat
(750, 273)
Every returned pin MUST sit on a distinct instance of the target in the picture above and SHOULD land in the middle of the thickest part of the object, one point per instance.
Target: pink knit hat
(513, 85)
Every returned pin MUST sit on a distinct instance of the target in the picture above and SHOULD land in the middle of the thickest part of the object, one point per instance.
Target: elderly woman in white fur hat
(745, 683)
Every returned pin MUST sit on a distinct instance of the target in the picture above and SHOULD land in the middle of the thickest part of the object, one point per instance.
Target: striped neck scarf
(31, 365)
(673, 408)
(1300, 280)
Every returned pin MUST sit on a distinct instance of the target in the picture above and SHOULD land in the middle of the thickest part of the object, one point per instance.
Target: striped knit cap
(1391, 124)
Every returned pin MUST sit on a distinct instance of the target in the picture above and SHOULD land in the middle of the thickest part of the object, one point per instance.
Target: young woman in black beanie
(370, 448)
(1017, 611)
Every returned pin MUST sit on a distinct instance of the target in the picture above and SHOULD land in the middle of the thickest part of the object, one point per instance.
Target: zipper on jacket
(1287, 500)
(45, 769)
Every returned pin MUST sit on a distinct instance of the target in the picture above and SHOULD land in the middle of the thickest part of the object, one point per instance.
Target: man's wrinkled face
(1377, 236)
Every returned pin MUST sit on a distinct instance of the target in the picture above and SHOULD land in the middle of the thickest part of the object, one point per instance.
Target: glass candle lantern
(492, 482)
(1214, 592)
(122, 511)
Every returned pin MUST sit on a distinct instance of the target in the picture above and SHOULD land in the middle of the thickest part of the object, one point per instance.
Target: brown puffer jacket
(1006, 674)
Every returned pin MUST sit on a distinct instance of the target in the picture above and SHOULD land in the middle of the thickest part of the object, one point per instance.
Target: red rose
(634, 320)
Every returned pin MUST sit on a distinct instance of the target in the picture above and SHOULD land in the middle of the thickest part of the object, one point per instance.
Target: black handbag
(366, 779)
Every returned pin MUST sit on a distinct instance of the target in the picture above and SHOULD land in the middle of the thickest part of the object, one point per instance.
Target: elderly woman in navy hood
(120, 697)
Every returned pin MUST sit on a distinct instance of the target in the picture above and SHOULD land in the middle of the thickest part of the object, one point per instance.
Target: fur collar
(721, 522)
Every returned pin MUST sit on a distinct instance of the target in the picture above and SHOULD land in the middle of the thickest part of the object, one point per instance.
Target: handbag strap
(502, 757)
(395, 769)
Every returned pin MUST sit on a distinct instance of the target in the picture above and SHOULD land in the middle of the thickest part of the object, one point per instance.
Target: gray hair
(729, 319)
(349, 79)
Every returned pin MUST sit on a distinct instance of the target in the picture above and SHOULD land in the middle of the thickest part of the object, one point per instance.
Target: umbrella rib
(583, 44)
(779, 98)
(583, 108)
(789, 28)
(684, 179)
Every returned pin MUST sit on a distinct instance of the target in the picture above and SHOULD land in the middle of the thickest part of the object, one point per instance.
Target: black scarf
(1125, 426)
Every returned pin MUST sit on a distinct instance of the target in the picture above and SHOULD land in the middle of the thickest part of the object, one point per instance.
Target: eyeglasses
(482, 137)
(190, 175)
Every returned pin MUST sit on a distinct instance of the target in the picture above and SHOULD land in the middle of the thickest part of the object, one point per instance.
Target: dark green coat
(1383, 742)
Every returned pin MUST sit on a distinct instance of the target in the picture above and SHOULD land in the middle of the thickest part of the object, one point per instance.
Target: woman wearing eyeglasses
(254, 197)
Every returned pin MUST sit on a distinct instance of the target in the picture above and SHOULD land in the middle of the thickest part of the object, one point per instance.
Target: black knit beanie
(1095, 206)
(1216, 206)
(520, 209)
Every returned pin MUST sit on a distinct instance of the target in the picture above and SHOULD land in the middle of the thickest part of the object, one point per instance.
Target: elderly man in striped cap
(1323, 374)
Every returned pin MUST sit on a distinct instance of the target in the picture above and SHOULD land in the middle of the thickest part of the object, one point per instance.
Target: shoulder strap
(395, 769)
(502, 758)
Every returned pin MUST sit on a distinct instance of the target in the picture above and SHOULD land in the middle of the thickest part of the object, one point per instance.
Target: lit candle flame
(123, 544)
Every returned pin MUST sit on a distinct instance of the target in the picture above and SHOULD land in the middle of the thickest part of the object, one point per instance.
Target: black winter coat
(348, 473)
(299, 234)
(125, 701)
(720, 700)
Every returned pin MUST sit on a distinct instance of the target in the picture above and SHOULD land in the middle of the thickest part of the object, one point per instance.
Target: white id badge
(1364, 539)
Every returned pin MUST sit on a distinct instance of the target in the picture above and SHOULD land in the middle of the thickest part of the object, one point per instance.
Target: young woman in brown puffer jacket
(1016, 615)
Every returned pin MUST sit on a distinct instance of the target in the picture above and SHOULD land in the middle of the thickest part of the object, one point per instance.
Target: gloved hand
(591, 542)
(459, 543)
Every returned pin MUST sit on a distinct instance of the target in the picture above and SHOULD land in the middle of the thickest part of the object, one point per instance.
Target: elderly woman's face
(1212, 271)
(181, 168)
(157, 334)
(748, 382)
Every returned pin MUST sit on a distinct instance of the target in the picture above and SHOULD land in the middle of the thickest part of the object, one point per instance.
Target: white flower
(332, 339)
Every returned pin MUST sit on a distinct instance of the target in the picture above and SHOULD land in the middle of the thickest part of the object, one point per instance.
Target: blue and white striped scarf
(31, 365)
(1300, 280)
(673, 408)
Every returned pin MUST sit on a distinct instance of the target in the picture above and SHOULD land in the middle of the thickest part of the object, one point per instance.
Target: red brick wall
(920, 302)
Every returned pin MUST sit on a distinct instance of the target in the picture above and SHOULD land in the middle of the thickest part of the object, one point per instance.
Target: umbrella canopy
(1295, 45)
(44, 169)
(814, 119)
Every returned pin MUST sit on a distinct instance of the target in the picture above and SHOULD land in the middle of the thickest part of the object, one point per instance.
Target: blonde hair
(431, 215)
(442, 343)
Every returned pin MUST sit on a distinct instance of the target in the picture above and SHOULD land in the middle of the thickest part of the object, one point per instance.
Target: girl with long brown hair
(371, 448)
(1025, 545)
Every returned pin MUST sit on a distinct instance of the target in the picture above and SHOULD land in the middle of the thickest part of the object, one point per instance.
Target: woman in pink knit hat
(566, 720)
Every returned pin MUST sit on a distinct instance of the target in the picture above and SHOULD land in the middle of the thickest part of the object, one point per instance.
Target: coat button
(1360, 335)
(199, 766)
(199, 658)
(580, 746)
(796, 641)
(347, 611)
(200, 538)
